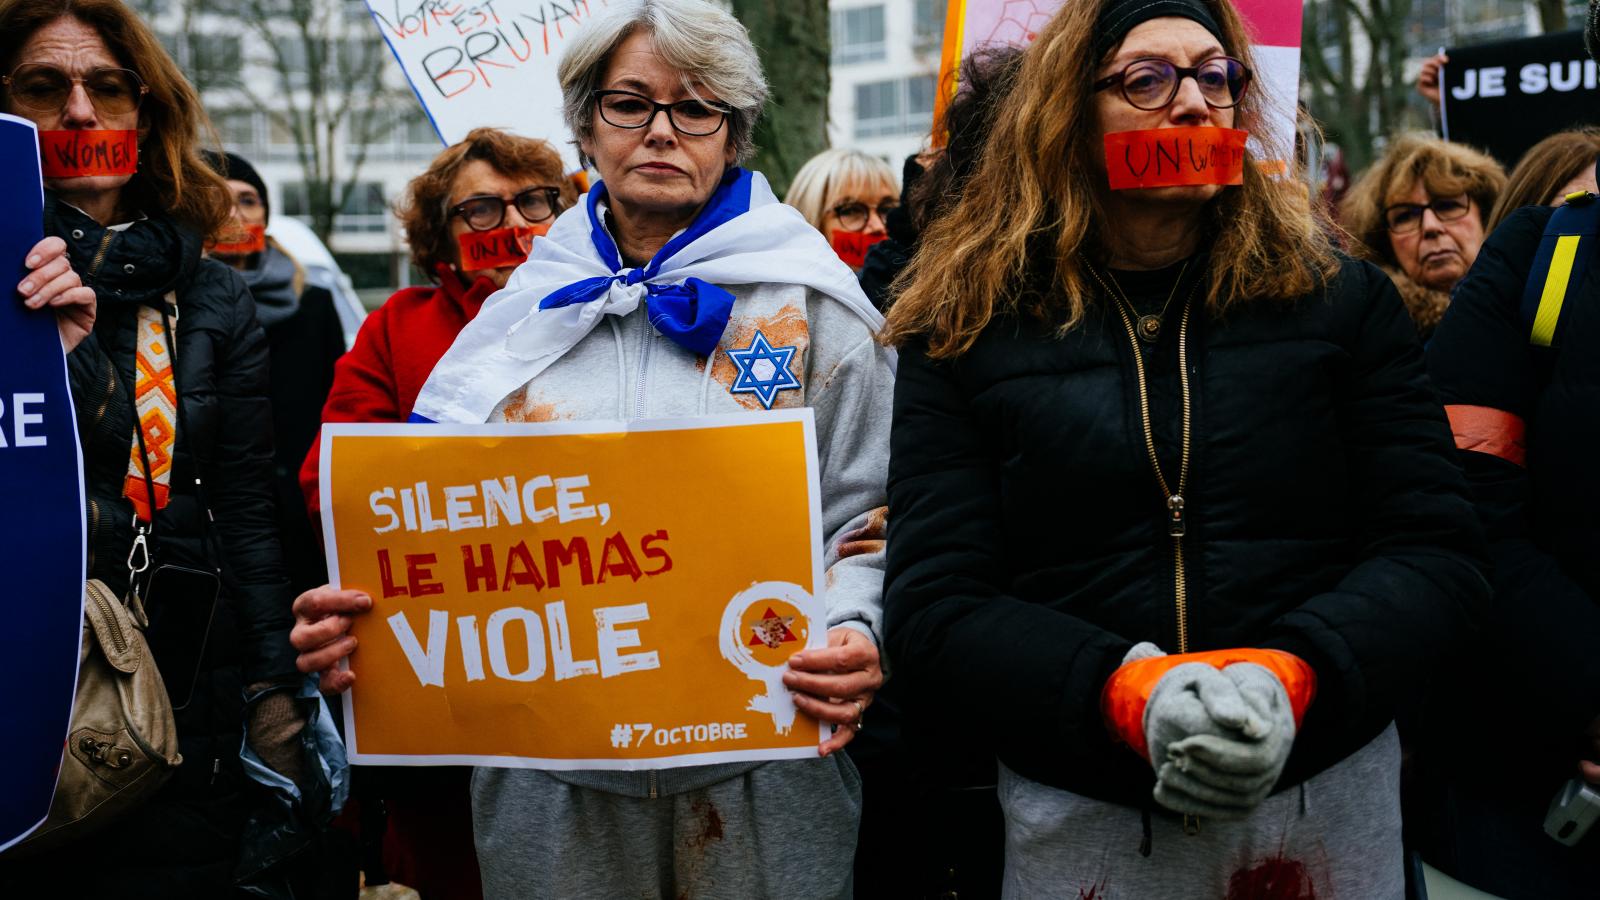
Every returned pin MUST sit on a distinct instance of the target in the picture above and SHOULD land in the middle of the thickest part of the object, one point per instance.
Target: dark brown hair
(1443, 168)
(172, 178)
(986, 75)
(1543, 170)
(424, 210)
(1033, 193)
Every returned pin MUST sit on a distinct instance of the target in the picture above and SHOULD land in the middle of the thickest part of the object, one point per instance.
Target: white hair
(815, 186)
(702, 40)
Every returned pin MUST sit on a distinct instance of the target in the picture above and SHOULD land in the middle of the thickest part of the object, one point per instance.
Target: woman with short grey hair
(680, 286)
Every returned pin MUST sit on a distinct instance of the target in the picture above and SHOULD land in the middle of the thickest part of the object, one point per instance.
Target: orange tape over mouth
(249, 239)
(498, 248)
(78, 153)
(1175, 157)
(852, 246)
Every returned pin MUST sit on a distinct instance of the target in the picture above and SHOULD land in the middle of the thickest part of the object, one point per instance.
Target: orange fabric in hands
(1128, 689)
(1485, 429)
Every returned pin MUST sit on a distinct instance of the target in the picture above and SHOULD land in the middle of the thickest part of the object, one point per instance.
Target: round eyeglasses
(625, 109)
(1150, 83)
(1404, 218)
(854, 215)
(487, 212)
(45, 88)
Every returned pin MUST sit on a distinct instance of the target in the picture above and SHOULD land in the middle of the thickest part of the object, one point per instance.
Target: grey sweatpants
(781, 831)
(1336, 837)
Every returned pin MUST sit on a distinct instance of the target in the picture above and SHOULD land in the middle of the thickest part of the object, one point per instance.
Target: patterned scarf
(156, 399)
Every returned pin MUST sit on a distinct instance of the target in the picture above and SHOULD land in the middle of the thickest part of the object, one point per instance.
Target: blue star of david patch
(763, 370)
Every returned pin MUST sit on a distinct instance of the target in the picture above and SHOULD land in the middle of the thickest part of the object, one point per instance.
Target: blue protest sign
(42, 528)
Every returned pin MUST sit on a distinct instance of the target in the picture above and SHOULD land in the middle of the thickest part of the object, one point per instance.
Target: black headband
(1119, 17)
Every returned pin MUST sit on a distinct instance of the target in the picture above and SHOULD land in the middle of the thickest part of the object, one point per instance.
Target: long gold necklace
(1149, 326)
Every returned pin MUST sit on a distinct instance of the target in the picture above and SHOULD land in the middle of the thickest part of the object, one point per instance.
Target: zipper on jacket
(100, 254)
(654, 792)
(118, 640)
(644, 369)
(111, 390)
(1177, 507)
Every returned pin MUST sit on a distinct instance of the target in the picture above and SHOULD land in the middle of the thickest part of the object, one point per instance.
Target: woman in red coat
(491, 190)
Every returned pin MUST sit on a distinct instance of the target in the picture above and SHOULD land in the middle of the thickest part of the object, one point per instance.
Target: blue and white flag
(574, 277)
(42, 528)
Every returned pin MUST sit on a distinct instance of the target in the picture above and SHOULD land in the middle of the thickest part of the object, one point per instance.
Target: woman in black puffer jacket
(1174, 520)
(136, 240)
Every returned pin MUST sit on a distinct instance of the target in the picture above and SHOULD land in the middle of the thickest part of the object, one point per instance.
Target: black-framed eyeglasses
(487, 212)
(626, 109)
(1404, 218)
(45, 88)
(854, 215)
(1150, 83)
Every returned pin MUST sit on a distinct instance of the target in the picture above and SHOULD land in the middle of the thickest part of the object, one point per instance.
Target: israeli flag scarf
(574, 276)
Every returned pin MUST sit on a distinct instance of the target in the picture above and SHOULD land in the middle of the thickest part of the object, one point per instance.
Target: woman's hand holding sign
(322, 620)
(52, 282)
(836, 684)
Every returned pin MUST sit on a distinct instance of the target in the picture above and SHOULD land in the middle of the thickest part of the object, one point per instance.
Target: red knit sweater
(395, 351)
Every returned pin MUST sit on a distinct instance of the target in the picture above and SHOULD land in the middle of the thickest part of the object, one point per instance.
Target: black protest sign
(1507, 96)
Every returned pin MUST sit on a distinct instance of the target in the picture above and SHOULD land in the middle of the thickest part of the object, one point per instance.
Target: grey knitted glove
(1225, 773)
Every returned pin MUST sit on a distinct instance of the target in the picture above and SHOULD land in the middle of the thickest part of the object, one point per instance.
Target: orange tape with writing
(1175, 157)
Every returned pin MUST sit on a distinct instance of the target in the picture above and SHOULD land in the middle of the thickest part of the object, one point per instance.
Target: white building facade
(884, 75)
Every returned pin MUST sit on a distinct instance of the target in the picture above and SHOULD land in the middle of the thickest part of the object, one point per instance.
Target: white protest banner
(487, 63)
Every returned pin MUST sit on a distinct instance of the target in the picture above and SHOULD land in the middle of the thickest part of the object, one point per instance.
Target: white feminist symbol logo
(777, 701)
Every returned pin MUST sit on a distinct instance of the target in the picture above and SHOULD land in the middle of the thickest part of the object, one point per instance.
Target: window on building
(1487, 20)
(214, 59)
(902, 106)
(237, 128)
(364, 212)
(858, 35)
(927, 24)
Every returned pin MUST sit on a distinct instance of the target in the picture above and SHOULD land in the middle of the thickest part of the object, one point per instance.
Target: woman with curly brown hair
(1419, 213)
(467, 219)
(1175, 520)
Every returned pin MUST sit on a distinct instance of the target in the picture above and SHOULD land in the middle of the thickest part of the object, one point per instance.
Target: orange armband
(1128, 689)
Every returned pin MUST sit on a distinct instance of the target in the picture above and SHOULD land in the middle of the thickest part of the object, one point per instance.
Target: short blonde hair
(702, 40)
(1443, 168)
(812, 191)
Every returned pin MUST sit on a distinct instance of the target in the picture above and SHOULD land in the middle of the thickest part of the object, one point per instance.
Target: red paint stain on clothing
(869, 538)
(522, 407)
(709, 823)
(1272, 879)
(786, 328)
(1095, 891)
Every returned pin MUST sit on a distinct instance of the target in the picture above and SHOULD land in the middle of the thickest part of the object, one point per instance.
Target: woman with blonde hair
(1419, 212)
(847, 195)
(1175, 519)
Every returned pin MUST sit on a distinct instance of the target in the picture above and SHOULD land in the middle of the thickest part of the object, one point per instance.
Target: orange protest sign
(500, 247)
(243, 241)
(578, 595)
(1171, 157)
(852, 246)
(76, 153)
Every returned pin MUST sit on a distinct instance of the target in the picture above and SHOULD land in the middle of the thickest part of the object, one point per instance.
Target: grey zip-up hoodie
(624, 369)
